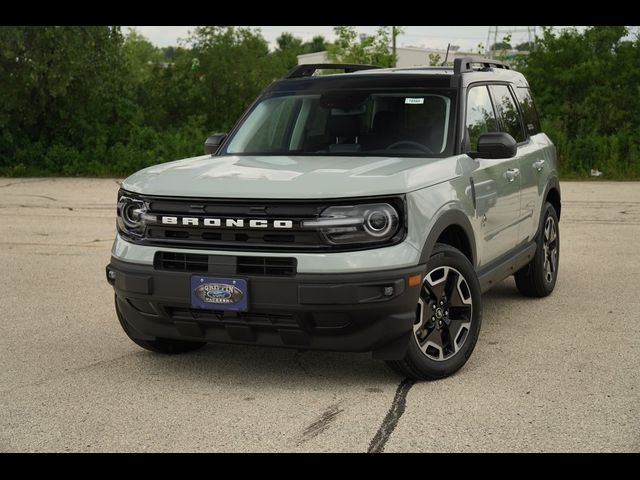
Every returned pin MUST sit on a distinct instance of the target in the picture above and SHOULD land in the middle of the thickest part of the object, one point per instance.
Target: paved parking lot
(556, 374)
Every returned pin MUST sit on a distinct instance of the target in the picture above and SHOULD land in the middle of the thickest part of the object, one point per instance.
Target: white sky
(467, 37)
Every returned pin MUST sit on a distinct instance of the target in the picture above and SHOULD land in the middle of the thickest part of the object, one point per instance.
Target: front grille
(224, 237)
(245, 225)
(272, 266)
(182, 262)
(225, 264)
(252, 319)
(201, 238)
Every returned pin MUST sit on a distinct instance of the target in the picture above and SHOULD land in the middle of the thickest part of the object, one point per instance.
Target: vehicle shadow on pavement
(288, 368)
(250, 365)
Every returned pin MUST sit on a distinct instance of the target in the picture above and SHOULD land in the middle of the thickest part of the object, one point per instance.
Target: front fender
(445, 219)
(437, 207)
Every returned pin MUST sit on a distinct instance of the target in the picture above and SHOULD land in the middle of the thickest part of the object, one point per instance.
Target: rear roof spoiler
(465, 64)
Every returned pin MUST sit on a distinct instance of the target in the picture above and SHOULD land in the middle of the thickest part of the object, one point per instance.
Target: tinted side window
(480, 116)
(509, 114)
(531, 122)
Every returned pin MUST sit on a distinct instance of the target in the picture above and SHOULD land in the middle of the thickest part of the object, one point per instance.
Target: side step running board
(492, 274)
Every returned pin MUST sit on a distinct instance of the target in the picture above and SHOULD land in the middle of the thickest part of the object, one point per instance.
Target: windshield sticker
(414, 101)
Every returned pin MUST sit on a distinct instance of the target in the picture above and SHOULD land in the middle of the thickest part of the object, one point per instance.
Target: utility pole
(393, 46)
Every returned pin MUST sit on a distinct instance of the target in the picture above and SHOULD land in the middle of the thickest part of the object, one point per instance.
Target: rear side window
(508, 112)
(480, 116)
(531, 122)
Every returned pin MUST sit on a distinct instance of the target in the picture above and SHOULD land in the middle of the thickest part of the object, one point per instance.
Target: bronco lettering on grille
(227, 222)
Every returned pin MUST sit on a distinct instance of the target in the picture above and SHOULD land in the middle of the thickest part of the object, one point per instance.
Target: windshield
(347, 122)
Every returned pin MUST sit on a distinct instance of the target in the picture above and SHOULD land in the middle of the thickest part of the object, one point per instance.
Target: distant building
(407, 56)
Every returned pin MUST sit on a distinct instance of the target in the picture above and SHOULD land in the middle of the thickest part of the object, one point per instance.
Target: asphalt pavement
(554, 374)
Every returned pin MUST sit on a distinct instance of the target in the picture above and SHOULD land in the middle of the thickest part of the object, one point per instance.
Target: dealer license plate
(218, 293)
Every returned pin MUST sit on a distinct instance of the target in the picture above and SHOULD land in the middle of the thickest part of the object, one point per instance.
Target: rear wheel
(538, 278)
(448, 317)
(166, 346)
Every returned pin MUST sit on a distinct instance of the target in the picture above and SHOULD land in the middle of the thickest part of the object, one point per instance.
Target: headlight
(132, 215)
(367, 223)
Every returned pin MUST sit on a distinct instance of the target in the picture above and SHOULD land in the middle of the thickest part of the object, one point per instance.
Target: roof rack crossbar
(309, 69)
(461, 65)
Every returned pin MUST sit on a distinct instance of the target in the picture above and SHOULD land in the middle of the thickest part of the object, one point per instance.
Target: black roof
(465, 71)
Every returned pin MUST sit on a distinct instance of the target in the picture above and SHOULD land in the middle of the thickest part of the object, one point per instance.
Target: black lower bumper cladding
(357, 312)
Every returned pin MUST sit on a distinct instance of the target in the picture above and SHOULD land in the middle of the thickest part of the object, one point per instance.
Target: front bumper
(340, 312)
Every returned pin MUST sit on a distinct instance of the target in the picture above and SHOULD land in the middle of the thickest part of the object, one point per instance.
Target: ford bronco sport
(364, 211)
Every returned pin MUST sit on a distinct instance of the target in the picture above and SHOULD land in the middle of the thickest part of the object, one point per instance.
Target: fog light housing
(111, 276)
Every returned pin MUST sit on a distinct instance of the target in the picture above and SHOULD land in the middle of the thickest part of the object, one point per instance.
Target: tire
(167, 346)
(538, 278)
(431, 353)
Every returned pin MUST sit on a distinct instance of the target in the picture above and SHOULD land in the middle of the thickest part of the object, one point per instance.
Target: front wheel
(448, 318)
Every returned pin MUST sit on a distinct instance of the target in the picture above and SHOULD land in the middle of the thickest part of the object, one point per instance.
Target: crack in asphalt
(320, 425)
(24, 181)
(390, 422)
(62, 207)
(69, 372)
(47, 197)
(298, 358)
(90, 243)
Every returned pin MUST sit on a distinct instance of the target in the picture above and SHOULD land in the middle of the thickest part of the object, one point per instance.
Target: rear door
(534, 165)
(496, 185)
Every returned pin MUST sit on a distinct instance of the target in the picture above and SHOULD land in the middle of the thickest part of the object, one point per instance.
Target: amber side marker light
(415, 280)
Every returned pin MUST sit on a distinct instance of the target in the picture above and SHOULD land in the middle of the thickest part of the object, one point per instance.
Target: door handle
(538, 165)
(512, 174)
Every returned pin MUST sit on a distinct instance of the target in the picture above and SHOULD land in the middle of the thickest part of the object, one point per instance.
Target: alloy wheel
(550, 249)
(444, 313)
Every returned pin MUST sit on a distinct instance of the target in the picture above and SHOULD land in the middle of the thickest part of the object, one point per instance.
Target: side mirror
(496, 145)
(212, 143)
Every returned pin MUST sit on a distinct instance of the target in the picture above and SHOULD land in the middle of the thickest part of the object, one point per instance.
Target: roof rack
(309, 69)
(461, 65)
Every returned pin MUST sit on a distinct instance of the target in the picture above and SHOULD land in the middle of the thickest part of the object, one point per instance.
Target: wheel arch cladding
(452, 228)
(553, 197)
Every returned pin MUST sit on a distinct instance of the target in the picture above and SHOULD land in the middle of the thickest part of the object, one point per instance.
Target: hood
(290, 177)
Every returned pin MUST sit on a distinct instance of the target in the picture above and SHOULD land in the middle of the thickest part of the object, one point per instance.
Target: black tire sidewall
(444, 255)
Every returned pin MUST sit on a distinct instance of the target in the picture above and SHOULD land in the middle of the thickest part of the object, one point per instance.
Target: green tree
(500, 46)
(140, 55)
(64, 86)
(525, 46)
(88, 100)
(500, 49)
(235, 65)
(372, 49)
(169, 53)
(286, 41)
(587, 90)
(289, 47)
(316, 44)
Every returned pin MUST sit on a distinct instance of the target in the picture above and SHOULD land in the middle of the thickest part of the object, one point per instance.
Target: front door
(496, 182)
